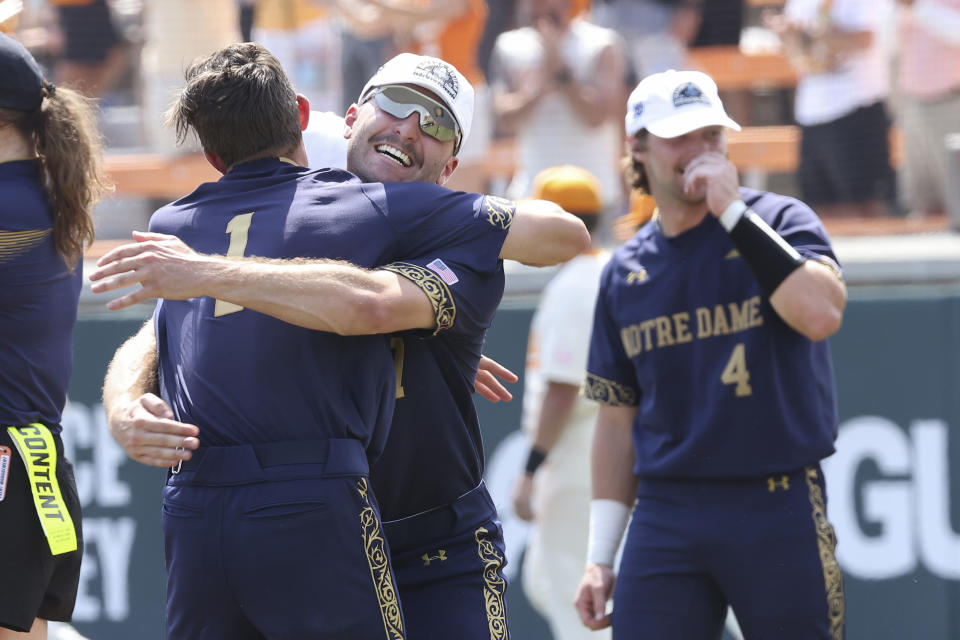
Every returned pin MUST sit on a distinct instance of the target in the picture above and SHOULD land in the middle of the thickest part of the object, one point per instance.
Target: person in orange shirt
(452, 30)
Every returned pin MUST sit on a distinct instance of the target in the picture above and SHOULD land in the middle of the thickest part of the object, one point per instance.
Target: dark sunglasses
(435, 119)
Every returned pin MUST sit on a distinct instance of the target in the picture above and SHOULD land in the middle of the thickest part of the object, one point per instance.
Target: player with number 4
(709, 359)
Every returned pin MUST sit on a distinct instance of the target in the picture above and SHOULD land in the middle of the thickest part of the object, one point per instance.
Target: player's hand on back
(146, 430)
(161, 264)
(596, 588)
(487, 384)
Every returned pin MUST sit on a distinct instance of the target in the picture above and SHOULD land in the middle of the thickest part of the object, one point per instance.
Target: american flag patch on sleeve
(442, 270)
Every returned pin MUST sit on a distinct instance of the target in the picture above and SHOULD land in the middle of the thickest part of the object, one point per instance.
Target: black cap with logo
(21, 81)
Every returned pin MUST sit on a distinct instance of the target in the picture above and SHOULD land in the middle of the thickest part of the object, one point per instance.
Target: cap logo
(638, 110)
(442, 74)
(689, 93)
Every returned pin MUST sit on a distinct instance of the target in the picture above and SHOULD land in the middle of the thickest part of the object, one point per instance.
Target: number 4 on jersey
(237, 229)
(736, 372)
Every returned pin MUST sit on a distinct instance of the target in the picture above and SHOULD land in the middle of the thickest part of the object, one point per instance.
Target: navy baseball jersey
(435, 431)
(38, 303)
(758, 396)
(244, 377)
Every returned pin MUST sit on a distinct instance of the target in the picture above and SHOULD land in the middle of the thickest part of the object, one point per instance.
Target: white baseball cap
(435, 74)
(674, 103)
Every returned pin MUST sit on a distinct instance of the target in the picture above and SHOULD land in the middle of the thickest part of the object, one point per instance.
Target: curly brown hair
(633, 171)
(68, 143)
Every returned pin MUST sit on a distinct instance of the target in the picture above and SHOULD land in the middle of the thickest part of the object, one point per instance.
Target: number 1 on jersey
(237, 228)
(736, 372)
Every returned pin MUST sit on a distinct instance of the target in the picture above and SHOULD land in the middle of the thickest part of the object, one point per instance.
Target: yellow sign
(39, 453)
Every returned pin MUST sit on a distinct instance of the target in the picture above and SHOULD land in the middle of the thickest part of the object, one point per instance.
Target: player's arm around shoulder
(330, 295)
(543, 234)
(324, 295)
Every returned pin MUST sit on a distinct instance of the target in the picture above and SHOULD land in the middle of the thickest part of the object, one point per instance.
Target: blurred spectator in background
(94, 54)
(10, 16)
(305, 37)
(452, 30)
(247, 10)
(840, 103)
(719, 24)
(175, 33)
(324, 142)
(556, 495)
(929, 86)
(578, 7)
(558, 88)
(366, 42)
(642, 208)
(656, 32)
(501, 16)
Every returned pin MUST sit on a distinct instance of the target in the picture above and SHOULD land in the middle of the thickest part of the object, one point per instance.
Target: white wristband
(608, 519)
(732, 214)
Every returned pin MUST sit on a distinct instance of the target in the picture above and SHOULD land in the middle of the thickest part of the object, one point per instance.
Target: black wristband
(767, 254)
(535, 459)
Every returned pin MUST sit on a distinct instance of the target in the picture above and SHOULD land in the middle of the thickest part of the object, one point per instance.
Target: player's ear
(215, 161)
(350, 119)
(448, 169)
(303, 107)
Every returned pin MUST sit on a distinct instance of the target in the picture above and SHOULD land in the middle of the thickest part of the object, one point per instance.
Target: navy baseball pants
(762, 545)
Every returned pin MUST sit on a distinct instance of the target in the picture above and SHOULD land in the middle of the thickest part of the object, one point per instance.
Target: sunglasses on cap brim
(436, 120)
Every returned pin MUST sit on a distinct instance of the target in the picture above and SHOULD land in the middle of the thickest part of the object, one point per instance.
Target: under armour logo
(773, 483)
(427, 558)
(637, 276)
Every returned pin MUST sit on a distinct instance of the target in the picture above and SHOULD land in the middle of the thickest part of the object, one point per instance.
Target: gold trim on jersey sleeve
(494, 585)
(827, 545)
(499, 211)
(608, 392)
(16, 243)
(444, 308)
(379, 561)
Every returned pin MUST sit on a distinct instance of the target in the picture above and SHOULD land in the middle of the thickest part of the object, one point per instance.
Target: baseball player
(710, 362)
(444, 531)
(50, 179)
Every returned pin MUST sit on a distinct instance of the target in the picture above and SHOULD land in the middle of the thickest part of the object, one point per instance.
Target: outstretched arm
(137, 418)
(543, 234)
(325, 295)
